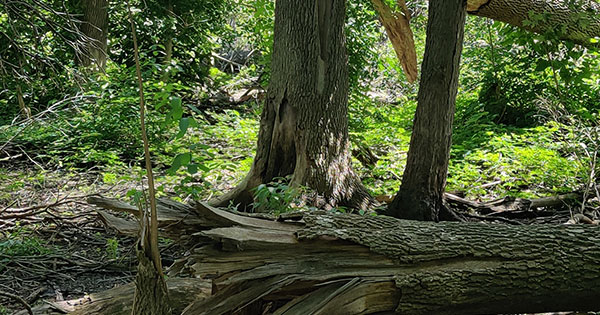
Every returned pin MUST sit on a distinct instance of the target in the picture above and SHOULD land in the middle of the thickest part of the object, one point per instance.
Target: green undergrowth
(524, 162)
(507, 161)
(21, 242)
(507, 139)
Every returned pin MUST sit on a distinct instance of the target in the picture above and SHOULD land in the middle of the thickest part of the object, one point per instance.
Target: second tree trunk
(424, 179)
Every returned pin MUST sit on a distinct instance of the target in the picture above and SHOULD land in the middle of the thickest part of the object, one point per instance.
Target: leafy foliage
(18, 243)
(525, 101)
(274, 197)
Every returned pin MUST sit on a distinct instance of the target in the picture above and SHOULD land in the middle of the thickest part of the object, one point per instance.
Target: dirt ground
(53, 246)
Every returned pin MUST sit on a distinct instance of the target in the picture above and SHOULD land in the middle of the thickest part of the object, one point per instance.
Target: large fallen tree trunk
(577, 21)
(323, 263)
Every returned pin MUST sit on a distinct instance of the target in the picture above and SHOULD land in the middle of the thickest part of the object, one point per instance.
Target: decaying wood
(513, 207)
(397, 27)
(175, 219)
(118, 301)
(348, 264)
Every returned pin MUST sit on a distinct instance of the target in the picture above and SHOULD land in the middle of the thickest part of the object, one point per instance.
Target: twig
(498, 182)
(227, 60)
(7, 207)
(18, 299)
(59, 202)
(9, 157)
(32, 160)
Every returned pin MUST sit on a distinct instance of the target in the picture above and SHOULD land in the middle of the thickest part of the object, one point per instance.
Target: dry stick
(590, 182)
(153, 216)
(58, 202)
(18, 299)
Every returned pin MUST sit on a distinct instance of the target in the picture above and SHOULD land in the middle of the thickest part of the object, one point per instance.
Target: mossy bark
(577, 21)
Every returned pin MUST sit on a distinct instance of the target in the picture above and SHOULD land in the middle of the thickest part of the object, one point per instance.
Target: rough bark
(95, 28)
(577, 21)
(304, 123)
(349, 264)
(424, 179)
(151, 295)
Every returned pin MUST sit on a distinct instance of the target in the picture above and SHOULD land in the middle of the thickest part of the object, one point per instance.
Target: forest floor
(53, 246)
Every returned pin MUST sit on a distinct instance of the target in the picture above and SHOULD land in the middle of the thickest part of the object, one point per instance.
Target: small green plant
(275, 197)
(109, 178)
(3, 310)
(19, 244)
(112, 248)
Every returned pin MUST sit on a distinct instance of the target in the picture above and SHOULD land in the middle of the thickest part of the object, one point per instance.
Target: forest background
(526, 122)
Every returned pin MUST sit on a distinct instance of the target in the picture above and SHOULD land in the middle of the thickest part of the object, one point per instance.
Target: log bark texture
(577, 21)
(323, 263)
(304, 123)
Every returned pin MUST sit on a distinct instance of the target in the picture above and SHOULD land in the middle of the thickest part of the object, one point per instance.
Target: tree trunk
(25, 111)
(424, 179)
(577, 21)
(304, 123)
(318, 263)
(151, 296)
(168, 44)
(95, 28)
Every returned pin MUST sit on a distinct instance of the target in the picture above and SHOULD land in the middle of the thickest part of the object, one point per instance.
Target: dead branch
(19, 300)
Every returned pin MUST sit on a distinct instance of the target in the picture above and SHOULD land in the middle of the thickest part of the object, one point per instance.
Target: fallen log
(119, 300)
(578, 22)
(514, 207)
(348, 264)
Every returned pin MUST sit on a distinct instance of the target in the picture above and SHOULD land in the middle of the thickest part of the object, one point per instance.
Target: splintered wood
(318, 262)
(397, 27)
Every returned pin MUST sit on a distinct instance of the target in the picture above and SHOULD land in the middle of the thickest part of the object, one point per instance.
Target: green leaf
(176, 111)
(174, 114)
(192, 168)
(184, 124)
(175, 102)
(179, 161)
(203, 167)
(542, 65)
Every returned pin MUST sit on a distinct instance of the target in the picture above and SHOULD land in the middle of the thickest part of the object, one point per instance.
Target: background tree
(424, 179)
(94, 26)
(304, 123)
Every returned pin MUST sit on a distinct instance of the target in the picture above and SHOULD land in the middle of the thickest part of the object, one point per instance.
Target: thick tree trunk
(424, 179)
(577, 21)
(304, 123)
(349, 264)
(95, 28)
